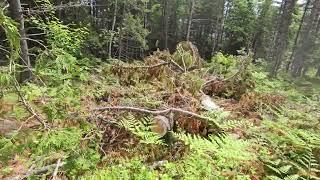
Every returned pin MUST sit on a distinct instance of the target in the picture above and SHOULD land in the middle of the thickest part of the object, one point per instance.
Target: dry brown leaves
(254, 101)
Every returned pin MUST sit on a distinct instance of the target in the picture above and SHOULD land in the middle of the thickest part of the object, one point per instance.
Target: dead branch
(37, 41)
(146, 67)
(207, 83)
(27, 105)
(159, 112)
(3, 49)
(42, 170)
(242, 67)
(55, 172)
(158, 164)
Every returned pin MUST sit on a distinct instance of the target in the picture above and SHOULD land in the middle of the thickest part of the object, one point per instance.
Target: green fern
(298, 149)
(66, 140)
(228, 152)
(142, 129)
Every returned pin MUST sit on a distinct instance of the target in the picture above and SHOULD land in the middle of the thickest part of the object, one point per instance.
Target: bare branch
(55, 172)
(146, 67)
(37, 41)
(36, 34)
(41, 170)
(159, 112)
(3, 49)
(27, 105)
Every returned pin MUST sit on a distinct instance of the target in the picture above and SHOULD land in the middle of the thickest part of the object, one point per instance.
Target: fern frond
(198, 143)
(142, 129)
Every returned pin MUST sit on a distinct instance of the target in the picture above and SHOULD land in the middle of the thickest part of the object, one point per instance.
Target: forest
(160, 89)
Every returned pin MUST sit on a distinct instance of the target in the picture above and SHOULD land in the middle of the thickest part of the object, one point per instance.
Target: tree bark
(297, 35)
(306, 43)
(112, 28)
(219, 27)
(190, 20)
(165, 23)
(281, 38)
(121, 33)
(16, 13)
(318, 72)
(258, 37)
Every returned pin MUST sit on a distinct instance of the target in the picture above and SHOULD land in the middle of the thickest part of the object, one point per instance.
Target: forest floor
(230, 121)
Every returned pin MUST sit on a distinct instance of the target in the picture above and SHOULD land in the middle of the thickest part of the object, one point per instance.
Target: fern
(299, 147)
(142, 129)
(227, 152)
(67, 140)
(198, 143)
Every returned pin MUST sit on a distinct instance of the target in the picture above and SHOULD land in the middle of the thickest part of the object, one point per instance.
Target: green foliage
(63, 98)
(66, 140)
(239, 25)
(133, 27)
(142, 129)
(63, 36)
(85, 160)
(5, 78)
(186, 55)
(7, 149)
(227, 61)
(226, 152)
(62, 67)
(127, 169)
(12, 33)
(295, 151)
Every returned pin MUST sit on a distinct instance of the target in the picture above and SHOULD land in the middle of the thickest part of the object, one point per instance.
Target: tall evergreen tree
(306, 43)
(281, 37)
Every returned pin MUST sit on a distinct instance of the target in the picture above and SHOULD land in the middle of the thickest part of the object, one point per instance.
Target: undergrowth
(270, 126)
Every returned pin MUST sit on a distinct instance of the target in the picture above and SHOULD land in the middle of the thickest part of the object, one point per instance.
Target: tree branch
(41, 170)
(27, 105)
(146, 67)
(159, 112)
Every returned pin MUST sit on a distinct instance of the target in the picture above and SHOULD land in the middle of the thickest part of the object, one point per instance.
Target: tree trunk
(306, 43)
(318, 72)
(121, 33)
(16, 13)
(281, 38)
(165, 21)
(190, 20)
(258, 37)
(219, 27)
(112, 28)
(297, 35)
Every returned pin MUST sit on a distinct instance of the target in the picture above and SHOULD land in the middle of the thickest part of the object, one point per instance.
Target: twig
(55, 172)
(158, 164)
(207, 83)
(176, 64)
(27, 105)
(36, 34)
(240, 70)
(41, 170)
(3, 49)
(37, 41)
(159, 112)
(145, 67)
